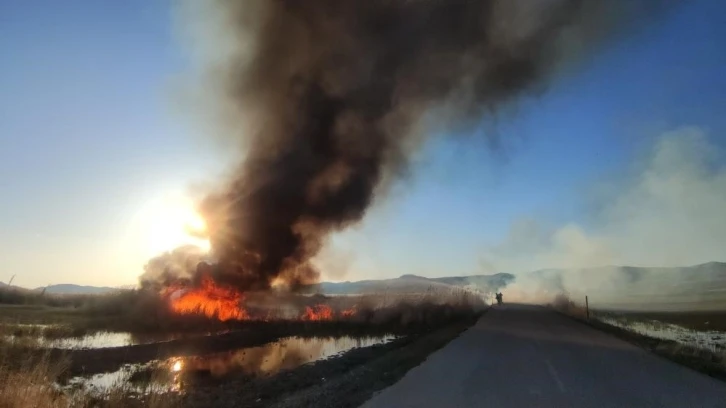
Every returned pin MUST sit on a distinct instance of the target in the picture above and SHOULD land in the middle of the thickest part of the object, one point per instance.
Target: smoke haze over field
(668, 211)
(326, 98)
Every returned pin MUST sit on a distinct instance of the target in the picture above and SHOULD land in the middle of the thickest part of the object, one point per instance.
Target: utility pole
(587, 308)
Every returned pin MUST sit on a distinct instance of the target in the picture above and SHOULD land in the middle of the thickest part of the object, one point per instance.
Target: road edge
(704, 361)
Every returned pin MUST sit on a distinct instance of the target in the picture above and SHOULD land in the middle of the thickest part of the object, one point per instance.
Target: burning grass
(211, 308)
(209, 299)
(318, 313)
(208, 307)
(29, 374)
(268, 316)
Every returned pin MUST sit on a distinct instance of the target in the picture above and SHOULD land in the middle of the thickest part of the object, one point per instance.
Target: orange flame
(209, 299)
(349, 312)
(317, 313)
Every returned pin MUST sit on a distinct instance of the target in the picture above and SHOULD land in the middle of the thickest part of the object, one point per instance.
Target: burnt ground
(344, 381)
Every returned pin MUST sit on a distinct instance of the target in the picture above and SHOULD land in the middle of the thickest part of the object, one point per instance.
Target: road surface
(528, 356)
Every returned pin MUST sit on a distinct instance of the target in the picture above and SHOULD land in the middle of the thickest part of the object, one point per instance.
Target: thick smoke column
(329, 96)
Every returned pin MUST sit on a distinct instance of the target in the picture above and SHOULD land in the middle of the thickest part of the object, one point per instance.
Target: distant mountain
(613, 287)
(5, 286)
(70, 289)
(403, 284)
(699, 287)
(412, 284)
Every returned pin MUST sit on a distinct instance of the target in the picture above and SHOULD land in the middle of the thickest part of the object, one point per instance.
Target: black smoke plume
(327, 98)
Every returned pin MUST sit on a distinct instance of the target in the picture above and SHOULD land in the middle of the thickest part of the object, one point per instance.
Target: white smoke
(669, 210)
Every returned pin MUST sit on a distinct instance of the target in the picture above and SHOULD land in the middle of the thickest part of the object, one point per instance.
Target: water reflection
(284, 354)
(171, 374)
(63, 337)
(152, 377)
(88, 341)
(120, 339)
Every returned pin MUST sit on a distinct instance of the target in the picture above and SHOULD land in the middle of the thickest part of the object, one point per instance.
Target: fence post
(587, 307)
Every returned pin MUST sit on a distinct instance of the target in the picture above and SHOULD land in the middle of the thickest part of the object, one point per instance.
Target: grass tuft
(29, 379)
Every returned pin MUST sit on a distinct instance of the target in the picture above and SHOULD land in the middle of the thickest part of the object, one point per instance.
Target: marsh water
(172, 373)
(54, 336)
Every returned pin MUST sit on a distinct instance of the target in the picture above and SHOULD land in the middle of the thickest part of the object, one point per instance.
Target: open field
(40, 314)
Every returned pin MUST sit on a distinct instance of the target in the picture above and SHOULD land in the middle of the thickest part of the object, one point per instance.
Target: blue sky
(90, 135)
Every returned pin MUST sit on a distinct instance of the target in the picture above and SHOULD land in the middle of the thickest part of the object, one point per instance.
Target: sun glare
(172, 222)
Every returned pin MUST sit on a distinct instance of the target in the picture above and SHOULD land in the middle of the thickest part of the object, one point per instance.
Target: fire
(349, 312)
(317, 313)
(209, 299)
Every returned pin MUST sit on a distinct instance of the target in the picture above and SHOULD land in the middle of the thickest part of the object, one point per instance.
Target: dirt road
(528, 356)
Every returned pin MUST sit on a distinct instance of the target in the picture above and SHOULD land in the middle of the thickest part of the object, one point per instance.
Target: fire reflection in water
(284, 354)
(170, 375)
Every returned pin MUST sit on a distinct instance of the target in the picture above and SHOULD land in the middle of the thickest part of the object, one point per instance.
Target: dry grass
(714, 320)
(562, 303)
(433, 307)
(29, 379)
(19, 296)
(142, 311)
(706, 361)
(48, 332)
(710, 362)
(145, 311)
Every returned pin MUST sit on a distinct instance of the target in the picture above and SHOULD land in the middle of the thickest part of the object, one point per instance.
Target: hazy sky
(95, 147)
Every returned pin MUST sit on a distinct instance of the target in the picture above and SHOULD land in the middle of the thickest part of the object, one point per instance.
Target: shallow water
(710, 340)
(91, 341)
(95, 340)
(118, 339)
(284, 354)
(170, 374)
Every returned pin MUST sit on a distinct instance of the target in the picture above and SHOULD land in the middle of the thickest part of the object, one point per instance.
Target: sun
(172, 221)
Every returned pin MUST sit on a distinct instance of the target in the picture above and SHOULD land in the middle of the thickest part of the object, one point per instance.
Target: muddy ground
(344, 381)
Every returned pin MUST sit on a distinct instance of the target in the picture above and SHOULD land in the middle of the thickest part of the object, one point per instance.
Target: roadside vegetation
(707, 359)
(145, 311)
(29, 378)
(33, 374)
